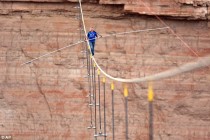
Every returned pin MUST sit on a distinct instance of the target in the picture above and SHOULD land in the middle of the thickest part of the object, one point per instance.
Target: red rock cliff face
(46, 100)
(190, 9)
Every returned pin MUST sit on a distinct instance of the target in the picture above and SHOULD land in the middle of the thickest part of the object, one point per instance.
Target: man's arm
(97, 34)
(87, 35)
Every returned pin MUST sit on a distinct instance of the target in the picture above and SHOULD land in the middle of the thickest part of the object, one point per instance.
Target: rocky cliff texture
(47, 100)
(190, 9)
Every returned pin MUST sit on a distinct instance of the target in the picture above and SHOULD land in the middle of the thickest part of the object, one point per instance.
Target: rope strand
(104, 108)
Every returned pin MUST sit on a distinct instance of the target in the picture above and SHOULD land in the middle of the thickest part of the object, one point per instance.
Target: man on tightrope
(91, 36)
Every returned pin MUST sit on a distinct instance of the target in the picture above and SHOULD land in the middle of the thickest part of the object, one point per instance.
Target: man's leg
(93, 44)
(91, 47)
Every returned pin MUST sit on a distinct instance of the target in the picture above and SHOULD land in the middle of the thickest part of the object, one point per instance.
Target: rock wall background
(47, 100)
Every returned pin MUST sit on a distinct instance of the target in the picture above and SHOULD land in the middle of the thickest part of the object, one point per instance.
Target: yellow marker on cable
(98, 72)
(150, 93)
(112, 86)
(125, 91)
(104, 80)
(94, 65)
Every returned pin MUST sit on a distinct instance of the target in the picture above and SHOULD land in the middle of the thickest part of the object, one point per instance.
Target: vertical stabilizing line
(92, 76)
(151, 120)
(126, 118)
(90, 92)
(90, 81)
(113, 134)
(95, 103)
(99, 96)
(126, 111)
(150, 100)
(104, 108)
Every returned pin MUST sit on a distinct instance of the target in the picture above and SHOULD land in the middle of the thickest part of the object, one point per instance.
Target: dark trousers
(92, 45)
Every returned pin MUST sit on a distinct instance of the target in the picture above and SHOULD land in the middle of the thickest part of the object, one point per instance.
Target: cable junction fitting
(100, 134)
(91, 127)
(77, 7)
(91, 104)
(90, 95)
(84, 66)
(88, 76)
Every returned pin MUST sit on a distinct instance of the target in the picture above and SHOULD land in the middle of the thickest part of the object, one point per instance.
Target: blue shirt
(92, 35)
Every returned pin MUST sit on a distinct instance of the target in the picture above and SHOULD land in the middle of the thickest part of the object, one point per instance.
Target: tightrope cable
(185, 68)
(200, 63)
(169, 73)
